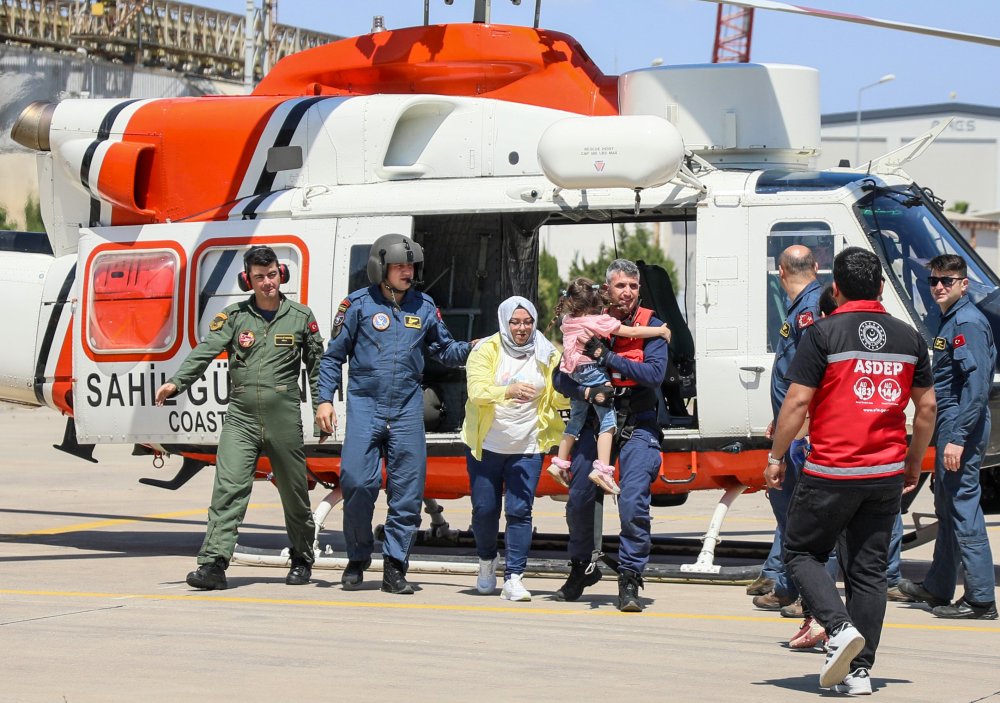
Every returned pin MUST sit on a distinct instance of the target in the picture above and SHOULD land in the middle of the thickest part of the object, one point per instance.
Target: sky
(624, 34)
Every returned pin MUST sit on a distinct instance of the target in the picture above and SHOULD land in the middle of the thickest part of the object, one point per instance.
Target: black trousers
(856, 517)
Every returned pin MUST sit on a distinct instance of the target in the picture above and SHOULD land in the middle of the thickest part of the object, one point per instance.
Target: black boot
(394, 577)
(300, 573)
(629, 584)
(578, 580)
(209, 577)
(354, 574)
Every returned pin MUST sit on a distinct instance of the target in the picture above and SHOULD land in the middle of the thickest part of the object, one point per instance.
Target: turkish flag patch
(959, 341)
(438, 310)
(314, 327)
(805, 319)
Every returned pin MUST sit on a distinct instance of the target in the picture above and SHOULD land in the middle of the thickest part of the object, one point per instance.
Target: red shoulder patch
(314, 327)
(959, 341)
(805, 319)
(438, 311)
(346, 303)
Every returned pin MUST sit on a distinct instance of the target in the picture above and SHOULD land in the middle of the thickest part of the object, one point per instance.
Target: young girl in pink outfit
(582, 306)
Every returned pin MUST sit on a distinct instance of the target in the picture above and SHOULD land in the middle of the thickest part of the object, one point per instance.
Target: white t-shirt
(515, 424)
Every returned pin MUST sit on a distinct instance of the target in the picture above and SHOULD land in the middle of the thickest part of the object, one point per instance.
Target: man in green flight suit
(267, 337)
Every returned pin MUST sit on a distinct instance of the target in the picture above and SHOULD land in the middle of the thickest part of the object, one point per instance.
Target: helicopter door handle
(755, 369)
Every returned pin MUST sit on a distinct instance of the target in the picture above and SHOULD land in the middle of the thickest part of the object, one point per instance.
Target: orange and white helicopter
(469, 137)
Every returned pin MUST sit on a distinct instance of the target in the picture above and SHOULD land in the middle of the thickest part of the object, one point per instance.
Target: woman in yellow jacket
(511, 422)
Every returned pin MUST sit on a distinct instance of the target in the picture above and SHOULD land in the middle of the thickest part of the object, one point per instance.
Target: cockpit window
(908, 232)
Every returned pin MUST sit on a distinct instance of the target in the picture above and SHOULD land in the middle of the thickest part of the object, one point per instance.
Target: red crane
(733, 30)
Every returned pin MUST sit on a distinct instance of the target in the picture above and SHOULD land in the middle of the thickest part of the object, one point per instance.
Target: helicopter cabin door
(722, 305)
(148, 295)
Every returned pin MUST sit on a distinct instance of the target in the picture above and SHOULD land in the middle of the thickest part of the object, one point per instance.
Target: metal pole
(857, 127)
(248, 47)
(482, 12)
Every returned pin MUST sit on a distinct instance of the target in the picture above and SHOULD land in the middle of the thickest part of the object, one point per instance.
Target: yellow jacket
(484, 394)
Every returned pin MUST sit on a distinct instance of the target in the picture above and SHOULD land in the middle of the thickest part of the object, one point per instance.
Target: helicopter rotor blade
(860, 19)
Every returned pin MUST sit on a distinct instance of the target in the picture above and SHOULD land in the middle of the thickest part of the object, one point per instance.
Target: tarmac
(93, 607)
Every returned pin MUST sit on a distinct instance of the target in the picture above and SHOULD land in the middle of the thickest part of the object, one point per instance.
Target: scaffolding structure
(178, 36)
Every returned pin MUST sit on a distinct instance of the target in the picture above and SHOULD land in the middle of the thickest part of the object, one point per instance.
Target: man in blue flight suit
(637, 368)
(797, 272)
(964, 363)
(384, 329)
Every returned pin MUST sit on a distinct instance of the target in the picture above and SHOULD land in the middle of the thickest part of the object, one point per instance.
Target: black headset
(243, 278)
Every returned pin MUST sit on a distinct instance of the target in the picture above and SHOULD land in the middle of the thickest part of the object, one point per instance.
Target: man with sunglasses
(964, 361)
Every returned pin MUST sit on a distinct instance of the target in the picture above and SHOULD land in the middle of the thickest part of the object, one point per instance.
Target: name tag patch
(412, 321)
(284, 340)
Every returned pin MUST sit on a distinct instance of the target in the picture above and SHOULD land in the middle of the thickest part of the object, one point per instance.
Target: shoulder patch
(344, 304)
(218, 321)
(786, 329)
(959, 341)
(314, 327)
(805, 319)
(940, 343)
(438, 311)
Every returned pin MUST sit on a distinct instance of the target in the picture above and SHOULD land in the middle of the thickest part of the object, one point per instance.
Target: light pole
(857, 134)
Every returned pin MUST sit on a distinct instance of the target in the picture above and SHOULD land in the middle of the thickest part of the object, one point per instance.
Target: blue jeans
(590, 375)
(774, 567)
(513, 477)
(895, 552)
(639, 463)
(961, 539)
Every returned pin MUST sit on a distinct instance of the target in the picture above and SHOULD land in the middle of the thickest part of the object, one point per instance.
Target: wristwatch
(772, 461)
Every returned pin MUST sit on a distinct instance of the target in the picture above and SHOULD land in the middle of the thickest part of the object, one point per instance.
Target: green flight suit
(263, 417)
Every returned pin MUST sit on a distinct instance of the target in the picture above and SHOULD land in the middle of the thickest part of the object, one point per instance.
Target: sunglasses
(946, 281)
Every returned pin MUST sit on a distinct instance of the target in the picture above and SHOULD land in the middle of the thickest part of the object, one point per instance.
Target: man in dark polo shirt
(854, 375)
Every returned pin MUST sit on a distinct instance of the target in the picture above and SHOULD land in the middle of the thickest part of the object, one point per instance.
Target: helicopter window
(217, 270)
(815, 235)
(358, 276)
(907, 231)
(777, 180)
(133, 302)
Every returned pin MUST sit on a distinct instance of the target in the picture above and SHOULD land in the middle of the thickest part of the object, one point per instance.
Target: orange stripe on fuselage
(516, 64)
(203, 147)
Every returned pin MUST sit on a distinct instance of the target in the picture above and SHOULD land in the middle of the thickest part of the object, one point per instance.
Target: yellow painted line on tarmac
(98, 524)
(527, 611)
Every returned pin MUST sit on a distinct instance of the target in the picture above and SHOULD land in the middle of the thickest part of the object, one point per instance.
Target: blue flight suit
(964, 361)
(802, 313)
(639, 463)
(385, 344)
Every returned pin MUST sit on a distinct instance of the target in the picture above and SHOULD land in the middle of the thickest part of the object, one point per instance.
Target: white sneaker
(486, 583)
(841, 650)
(514, 590)
(856, 683)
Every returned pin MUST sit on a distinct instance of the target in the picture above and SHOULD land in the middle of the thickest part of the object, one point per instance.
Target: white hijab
(537, 343)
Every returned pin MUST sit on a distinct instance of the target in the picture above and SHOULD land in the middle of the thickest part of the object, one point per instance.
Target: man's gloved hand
(601, 395)
(596, 349)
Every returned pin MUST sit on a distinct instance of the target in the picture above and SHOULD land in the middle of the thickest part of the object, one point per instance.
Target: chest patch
(284, 340)
(805, 319)
(412, 321)
(380, 321)
(786, 329)
(247, 338)
(940, 343)
(959, 341)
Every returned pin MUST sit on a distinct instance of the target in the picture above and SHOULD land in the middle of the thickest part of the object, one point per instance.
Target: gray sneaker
(486, 582)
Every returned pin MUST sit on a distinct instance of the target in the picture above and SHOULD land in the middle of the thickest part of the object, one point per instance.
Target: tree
(33, 215)
(5, 221)
(548, 288)
(634, 246)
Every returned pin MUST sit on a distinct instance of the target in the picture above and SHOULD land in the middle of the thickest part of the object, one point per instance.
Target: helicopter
(469, 138)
